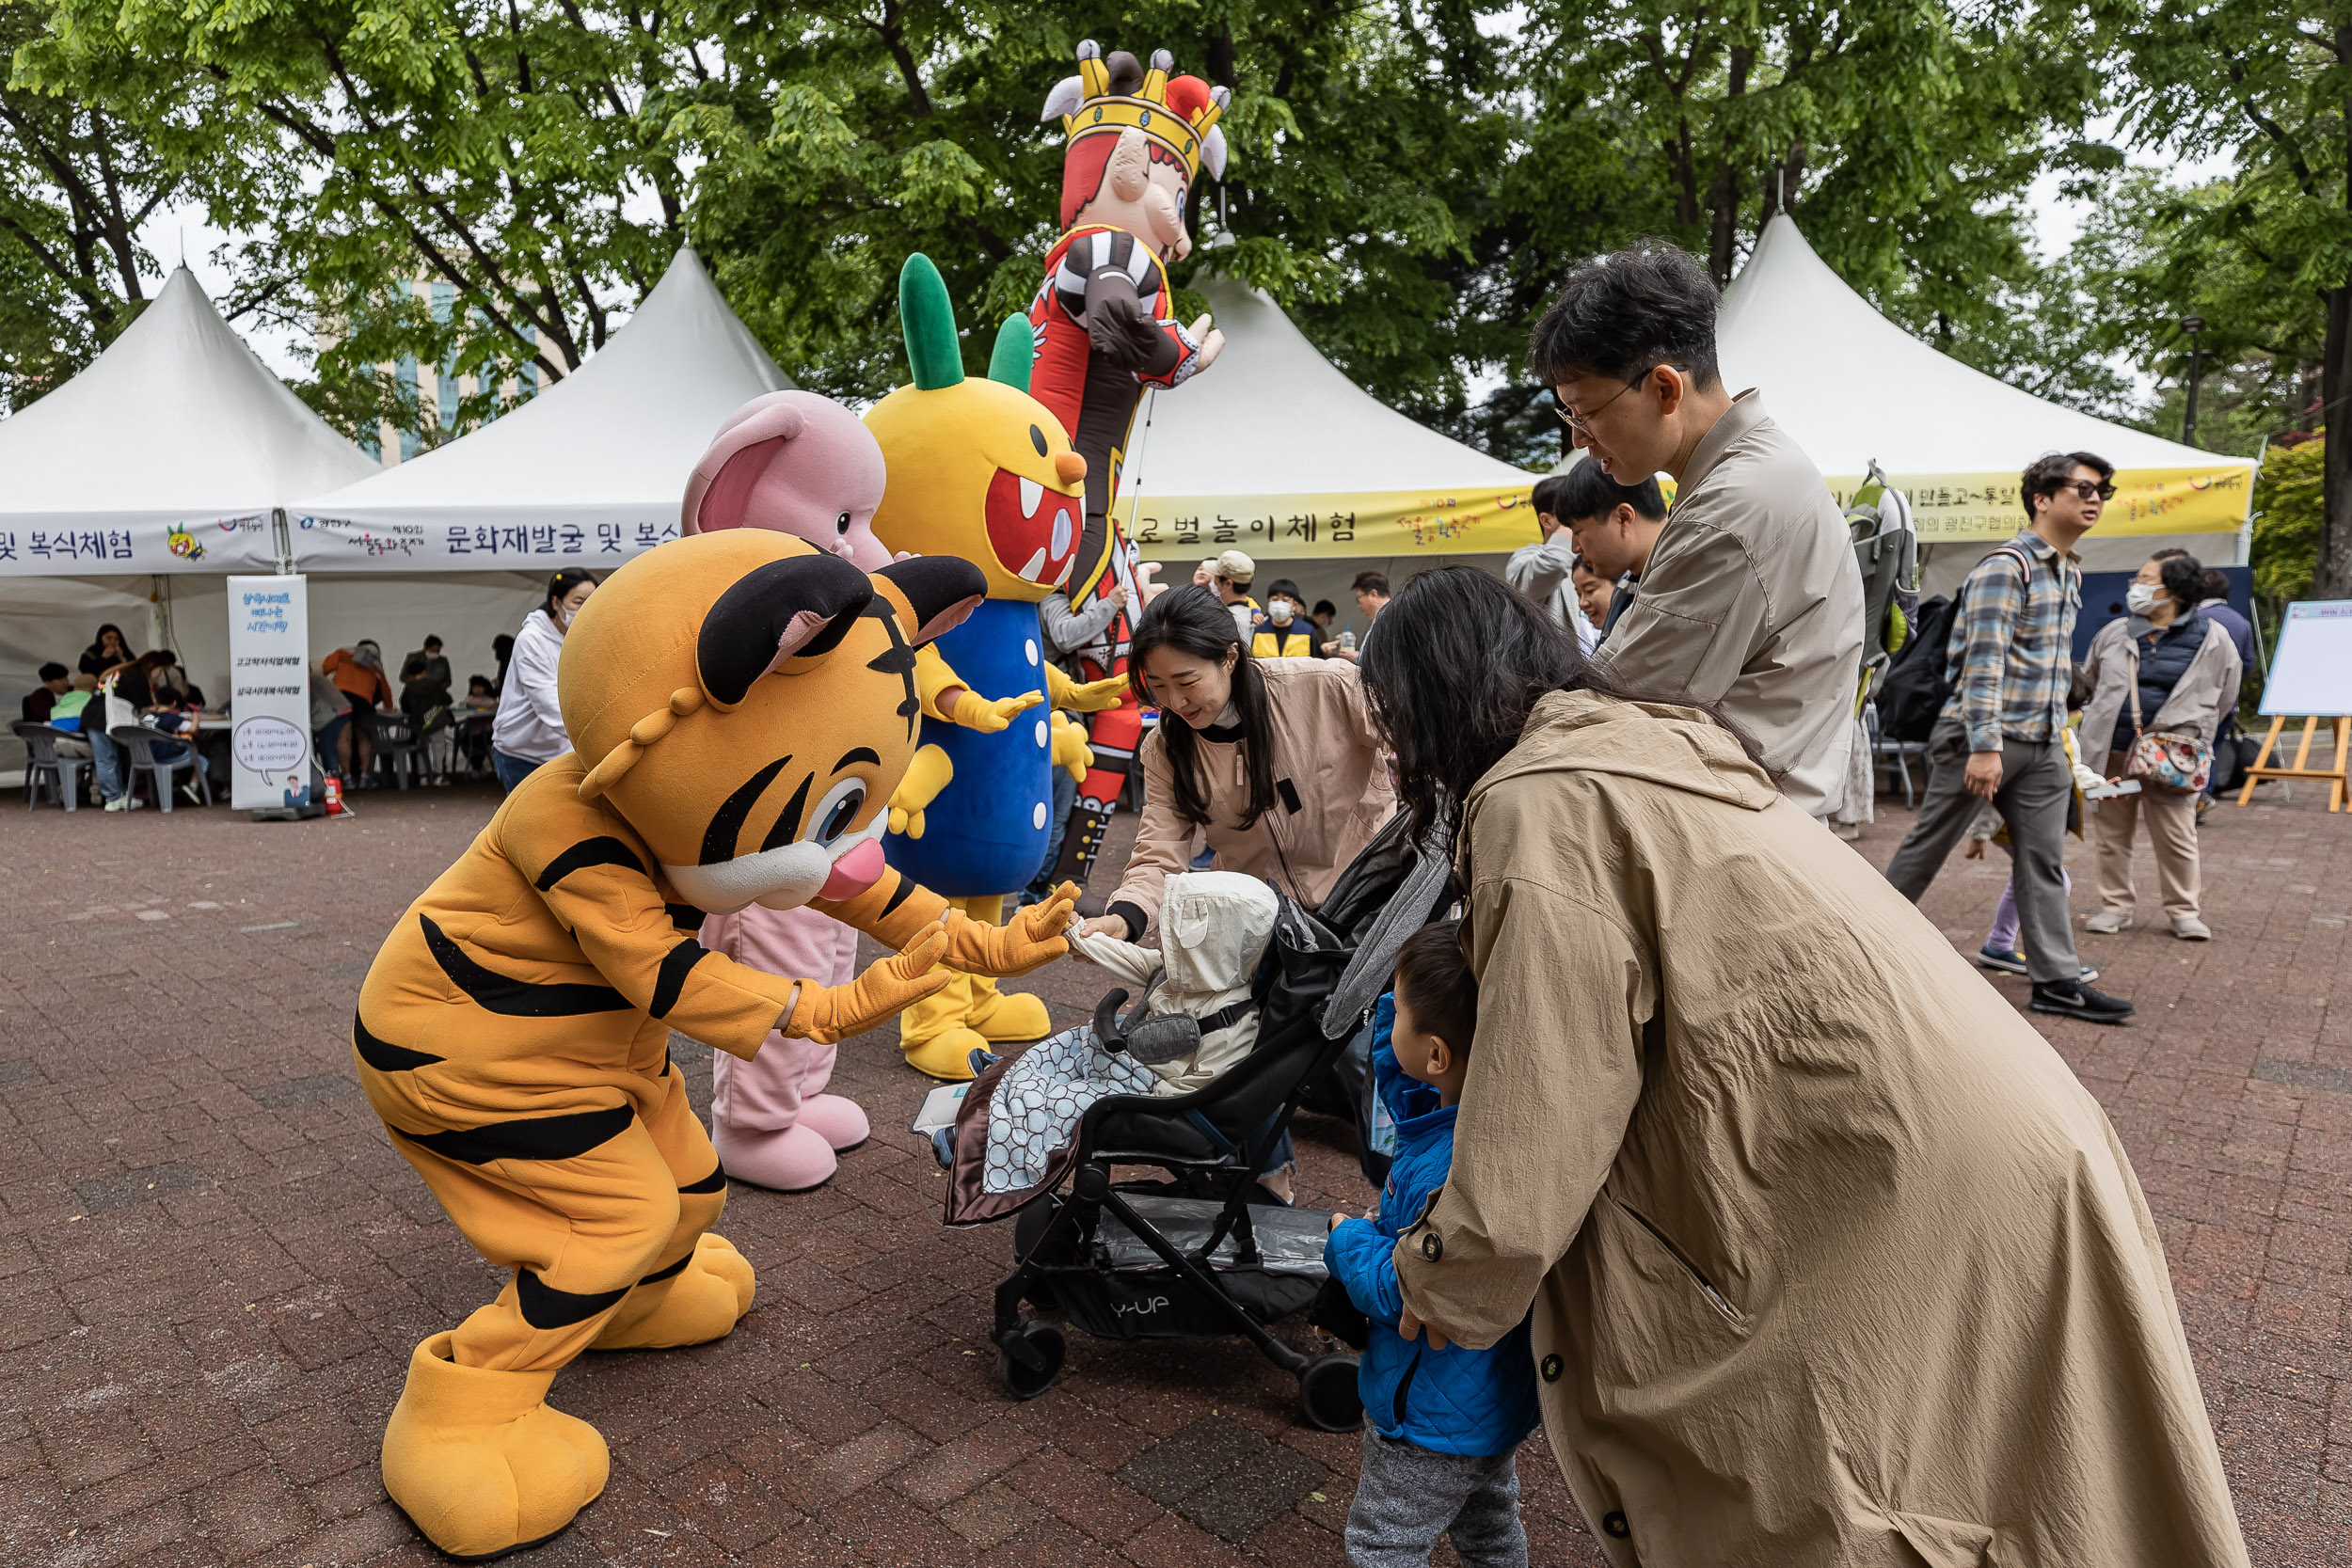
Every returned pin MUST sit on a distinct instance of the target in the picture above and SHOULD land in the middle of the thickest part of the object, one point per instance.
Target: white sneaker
(2106, 923)
(2189, 928)
(120, 802)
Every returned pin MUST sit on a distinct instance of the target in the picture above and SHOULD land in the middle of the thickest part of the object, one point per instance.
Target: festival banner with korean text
(552, 540)
(1988, 507)
(63, 546)
(1466, 522)
(269, 691)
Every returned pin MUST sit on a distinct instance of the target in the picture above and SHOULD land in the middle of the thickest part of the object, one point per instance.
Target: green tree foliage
(2268, 85)
(1408, 177)
(2287, 521)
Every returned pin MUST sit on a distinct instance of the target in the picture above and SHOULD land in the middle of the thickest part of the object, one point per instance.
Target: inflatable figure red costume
(1103, 326)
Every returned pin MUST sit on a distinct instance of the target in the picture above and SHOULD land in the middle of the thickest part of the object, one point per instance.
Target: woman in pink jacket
(1276, 760)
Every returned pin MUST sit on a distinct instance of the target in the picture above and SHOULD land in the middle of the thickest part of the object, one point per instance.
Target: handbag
(2170, 760)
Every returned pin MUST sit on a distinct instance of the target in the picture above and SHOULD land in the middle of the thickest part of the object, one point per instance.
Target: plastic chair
(396, 742)
(138, 744)
(1894, 756)
(62, 774)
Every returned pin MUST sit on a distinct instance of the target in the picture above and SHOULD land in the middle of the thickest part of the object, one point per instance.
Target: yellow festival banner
(1496, 521)
(1493, 520)
(1988, 507)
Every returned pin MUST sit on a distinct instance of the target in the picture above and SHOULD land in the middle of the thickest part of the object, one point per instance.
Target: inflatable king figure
(1104, 329)
(980, 469)
(741, 706)
(799, 464)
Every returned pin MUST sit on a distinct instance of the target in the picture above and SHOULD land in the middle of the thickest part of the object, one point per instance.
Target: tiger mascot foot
(703, 1300)
(478, 1461)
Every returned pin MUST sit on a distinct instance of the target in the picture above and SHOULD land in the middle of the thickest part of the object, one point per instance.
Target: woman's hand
(1105, 926)
(1337, 1220)
(1408, 1326)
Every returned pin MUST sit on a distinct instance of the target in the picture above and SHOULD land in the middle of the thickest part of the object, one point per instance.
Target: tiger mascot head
(746, 703)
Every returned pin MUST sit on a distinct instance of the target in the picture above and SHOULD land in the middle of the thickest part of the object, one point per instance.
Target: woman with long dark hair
(529, 729)
(105, 651)
(1830, 1258)
(1275, 759)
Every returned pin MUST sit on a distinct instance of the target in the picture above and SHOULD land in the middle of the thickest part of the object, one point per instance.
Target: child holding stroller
(1443, 1423)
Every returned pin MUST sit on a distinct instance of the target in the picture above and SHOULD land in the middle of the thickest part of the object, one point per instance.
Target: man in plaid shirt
(2002, 736)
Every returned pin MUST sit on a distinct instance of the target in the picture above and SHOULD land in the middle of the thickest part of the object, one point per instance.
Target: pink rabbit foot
(792, 1160)
(836, 1120)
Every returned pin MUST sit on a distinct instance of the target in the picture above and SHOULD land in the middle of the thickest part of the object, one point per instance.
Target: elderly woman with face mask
(2185, 670)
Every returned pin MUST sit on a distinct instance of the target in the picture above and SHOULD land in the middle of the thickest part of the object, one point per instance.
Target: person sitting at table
(160, 703)
(106, 650)
(474, 713)
(54, 683)
(57, 704)
(357, 673)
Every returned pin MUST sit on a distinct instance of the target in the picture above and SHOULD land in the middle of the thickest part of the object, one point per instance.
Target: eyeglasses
(1582, 423)
(2088, 489)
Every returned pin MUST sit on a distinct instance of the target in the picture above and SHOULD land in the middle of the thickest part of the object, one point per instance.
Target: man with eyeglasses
(1750, 599)
(2002, 735)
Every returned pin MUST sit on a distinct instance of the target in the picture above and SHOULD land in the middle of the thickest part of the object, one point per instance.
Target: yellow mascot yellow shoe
(946, 1058)
(933, 1037)
(478, 1461)
(1002, 1017)
(702, 1302)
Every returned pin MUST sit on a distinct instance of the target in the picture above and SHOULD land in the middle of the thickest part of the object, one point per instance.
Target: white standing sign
(269, 691)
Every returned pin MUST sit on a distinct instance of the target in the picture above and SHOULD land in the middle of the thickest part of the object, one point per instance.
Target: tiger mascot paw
(702, 1302)
(479, 1462)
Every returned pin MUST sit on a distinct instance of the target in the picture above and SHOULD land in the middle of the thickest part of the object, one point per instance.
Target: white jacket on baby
(1213, 929)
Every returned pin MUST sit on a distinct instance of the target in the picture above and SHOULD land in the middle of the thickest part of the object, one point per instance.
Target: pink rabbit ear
(729, 491)
(720, 485)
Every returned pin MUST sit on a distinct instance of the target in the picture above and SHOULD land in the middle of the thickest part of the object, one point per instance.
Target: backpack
(1886, 548)
(1918, 684)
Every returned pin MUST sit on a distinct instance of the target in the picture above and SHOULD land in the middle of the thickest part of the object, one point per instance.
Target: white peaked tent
(1852, 387)
(170, 453)
(1274, 451)
(588, 473)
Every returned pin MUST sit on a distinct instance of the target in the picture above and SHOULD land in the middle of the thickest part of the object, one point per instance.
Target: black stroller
(1208, 1251)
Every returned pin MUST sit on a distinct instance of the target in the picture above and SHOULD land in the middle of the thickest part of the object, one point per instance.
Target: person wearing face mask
(1281, 630)
(1276, 761)
(2186, 670)
(529, 729)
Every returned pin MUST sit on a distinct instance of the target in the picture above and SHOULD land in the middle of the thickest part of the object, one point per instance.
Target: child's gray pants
(1408, 1496)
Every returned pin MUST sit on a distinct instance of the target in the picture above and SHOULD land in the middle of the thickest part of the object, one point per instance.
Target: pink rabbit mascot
(799, 464)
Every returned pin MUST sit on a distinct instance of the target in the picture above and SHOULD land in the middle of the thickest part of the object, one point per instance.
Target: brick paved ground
(212, 1266)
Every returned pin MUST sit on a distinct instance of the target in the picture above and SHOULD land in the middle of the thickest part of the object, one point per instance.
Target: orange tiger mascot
(741, 706)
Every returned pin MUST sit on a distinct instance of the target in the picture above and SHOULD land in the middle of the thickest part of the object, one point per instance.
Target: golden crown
(1087, 106)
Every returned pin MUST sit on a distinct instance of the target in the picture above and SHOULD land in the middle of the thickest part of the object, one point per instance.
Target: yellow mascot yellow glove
(927, 775)
(830, 1014)
(1071, 750)
(976, 712)
(1031, 939)
(1096, 696)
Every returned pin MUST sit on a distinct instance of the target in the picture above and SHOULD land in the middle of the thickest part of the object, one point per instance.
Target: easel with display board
(2311, 679)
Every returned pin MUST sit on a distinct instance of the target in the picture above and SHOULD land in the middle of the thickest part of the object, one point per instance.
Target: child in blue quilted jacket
(1441, 1425)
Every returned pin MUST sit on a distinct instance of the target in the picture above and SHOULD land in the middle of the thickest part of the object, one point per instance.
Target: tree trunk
(2331, 578)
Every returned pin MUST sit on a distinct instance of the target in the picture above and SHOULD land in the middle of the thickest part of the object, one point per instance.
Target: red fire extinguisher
(334, 795)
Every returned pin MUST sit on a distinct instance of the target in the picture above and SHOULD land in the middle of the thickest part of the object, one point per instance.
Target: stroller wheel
(1029, 1359)
(1327, 1394)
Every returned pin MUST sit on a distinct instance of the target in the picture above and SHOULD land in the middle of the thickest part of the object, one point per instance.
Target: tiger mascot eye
(741, 706)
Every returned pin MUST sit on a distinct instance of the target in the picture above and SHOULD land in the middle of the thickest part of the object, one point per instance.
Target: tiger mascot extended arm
(741, 706)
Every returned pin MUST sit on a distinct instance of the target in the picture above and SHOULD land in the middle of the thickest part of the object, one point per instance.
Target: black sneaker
(2072, 999)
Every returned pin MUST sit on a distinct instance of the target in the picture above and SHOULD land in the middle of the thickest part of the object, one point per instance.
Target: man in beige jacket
(1751, 600)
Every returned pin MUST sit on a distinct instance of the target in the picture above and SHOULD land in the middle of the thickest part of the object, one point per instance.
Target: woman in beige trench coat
(1831, 1259)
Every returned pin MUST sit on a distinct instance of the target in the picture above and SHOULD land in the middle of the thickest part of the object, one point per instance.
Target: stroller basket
(1194, 1255)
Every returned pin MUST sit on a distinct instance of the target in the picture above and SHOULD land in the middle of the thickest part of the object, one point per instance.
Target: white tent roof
(1274, 429)
(1851, 386)
(602, 454)
(1274, 416)
(176, 426)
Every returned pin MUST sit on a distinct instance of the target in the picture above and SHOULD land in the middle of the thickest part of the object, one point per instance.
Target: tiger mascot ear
(784, 615)
(932, 593)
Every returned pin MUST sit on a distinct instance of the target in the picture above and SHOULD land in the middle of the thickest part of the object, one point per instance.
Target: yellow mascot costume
(742, 707)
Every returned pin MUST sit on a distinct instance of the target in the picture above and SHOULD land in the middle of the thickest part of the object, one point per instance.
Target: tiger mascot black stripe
(741, 706)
